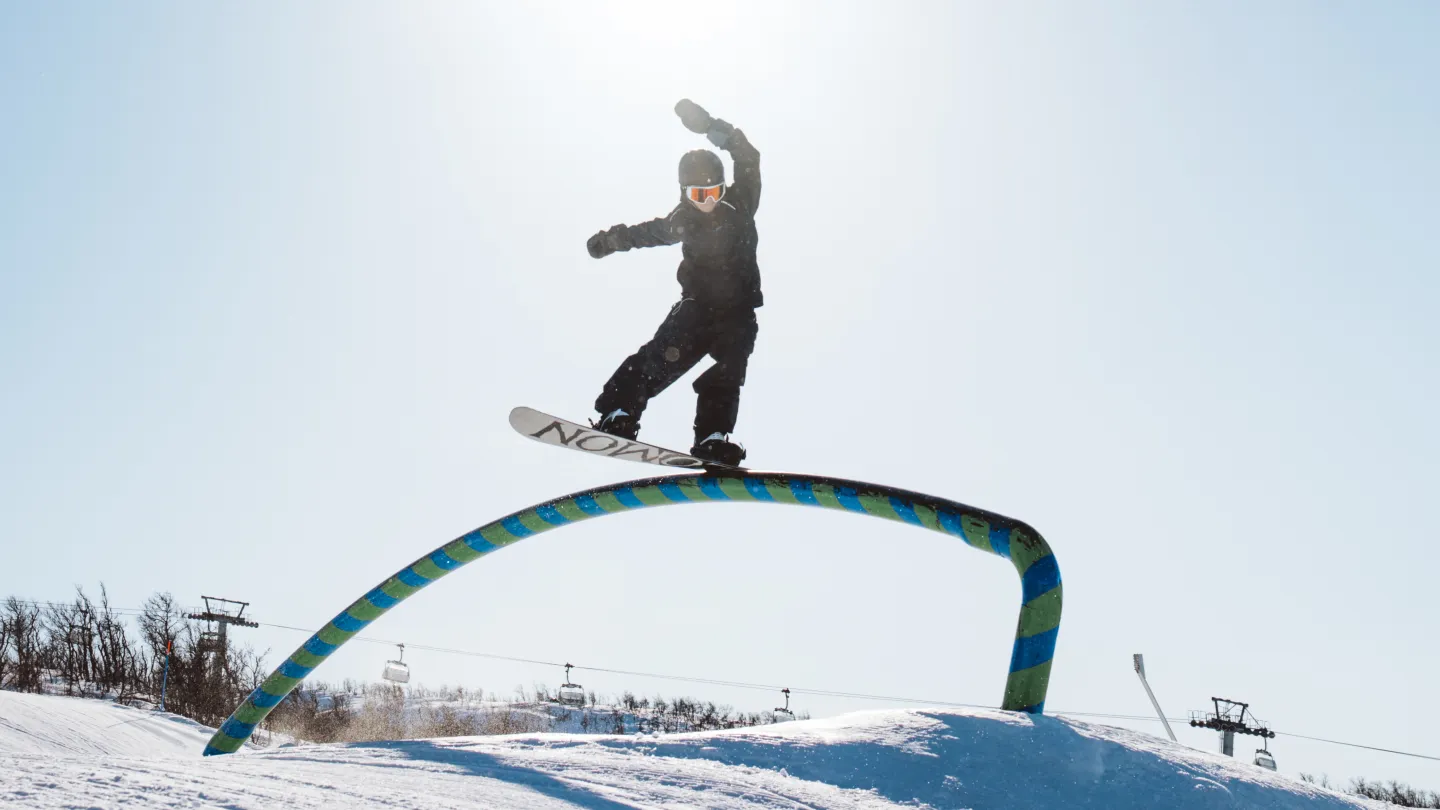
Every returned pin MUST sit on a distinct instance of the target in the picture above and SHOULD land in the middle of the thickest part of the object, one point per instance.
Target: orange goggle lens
(704, 194)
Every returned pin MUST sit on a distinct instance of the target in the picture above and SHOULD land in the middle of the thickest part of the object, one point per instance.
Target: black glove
(693, 116)
(597, 247)
(603, 243)
(695, 119)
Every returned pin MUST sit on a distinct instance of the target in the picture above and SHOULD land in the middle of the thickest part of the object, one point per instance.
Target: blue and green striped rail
(1039, 574)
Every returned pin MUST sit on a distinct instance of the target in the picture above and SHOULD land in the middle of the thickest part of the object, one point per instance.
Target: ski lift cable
(660, 676)
(772, 687)
(429, 648)
(119, 611)
(840, 694)
(1357, 745)
(1111, 716)
(1277, 733)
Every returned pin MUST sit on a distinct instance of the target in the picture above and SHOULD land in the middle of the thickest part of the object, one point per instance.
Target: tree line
(1396, 793)
(659, 715)
(85, 648)
(363, 712)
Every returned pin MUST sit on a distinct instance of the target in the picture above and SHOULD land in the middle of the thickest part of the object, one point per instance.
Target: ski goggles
(704, 194)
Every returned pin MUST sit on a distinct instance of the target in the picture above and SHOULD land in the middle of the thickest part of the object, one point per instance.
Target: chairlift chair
(1264, 759)
(570, 694)
(397, 671)
(786, 710)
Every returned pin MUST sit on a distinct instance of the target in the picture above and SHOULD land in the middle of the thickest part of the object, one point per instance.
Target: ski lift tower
(1229, 722)
(219, 615)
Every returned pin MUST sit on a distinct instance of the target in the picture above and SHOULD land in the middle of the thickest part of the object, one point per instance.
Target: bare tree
(161, 623)
(27, 642)
(67, 630)
(115, 660)
(5, 636)
(1394, 792)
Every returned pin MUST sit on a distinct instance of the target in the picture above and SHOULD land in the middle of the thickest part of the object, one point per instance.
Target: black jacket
(719, 269)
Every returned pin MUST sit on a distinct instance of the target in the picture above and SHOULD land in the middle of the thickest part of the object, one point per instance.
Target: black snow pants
(689, 332)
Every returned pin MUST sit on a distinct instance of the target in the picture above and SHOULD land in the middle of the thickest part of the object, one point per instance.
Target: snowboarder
(719, 292)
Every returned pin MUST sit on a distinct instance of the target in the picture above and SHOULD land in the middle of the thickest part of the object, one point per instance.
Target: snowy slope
(885, 759)
(46, 724)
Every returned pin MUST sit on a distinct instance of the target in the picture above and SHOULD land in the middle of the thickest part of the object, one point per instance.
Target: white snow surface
(51, 726)
(70, 753)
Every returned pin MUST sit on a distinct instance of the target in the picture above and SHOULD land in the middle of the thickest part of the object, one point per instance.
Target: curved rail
(1039, 574)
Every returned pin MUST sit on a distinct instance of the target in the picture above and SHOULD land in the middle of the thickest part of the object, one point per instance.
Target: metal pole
(165, 679)
(1140, 670)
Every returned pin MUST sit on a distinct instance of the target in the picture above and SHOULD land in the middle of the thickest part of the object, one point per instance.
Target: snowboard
(552, 430)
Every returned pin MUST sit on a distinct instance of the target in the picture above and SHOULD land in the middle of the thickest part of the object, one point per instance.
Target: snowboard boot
(618, 423)
(718, 448)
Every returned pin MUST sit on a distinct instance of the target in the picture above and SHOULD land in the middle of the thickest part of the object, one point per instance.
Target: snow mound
(53, 725)
(883, 759)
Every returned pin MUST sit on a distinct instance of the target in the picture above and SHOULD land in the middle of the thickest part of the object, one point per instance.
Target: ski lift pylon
(571, 694)
(397, 671)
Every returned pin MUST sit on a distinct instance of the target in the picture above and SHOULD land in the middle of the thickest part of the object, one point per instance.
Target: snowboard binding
(618, 423)
(718, 448)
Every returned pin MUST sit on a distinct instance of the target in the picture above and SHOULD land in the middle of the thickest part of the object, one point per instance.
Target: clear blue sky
(1159, 279)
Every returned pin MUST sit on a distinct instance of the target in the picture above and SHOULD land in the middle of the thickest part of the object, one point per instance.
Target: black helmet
(701, 167)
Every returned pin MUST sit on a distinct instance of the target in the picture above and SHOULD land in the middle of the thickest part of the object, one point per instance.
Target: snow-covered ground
(69, 753)
(49, 726)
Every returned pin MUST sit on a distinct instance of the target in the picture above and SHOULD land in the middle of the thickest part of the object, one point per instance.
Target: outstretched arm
(746, 184)
(656, 232)
(747, 167)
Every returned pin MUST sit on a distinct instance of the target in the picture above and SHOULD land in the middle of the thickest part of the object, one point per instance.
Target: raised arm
(656, 232)
(746, 183)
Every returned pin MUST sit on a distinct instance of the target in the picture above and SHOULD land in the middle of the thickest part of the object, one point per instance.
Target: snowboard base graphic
(557, 432)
